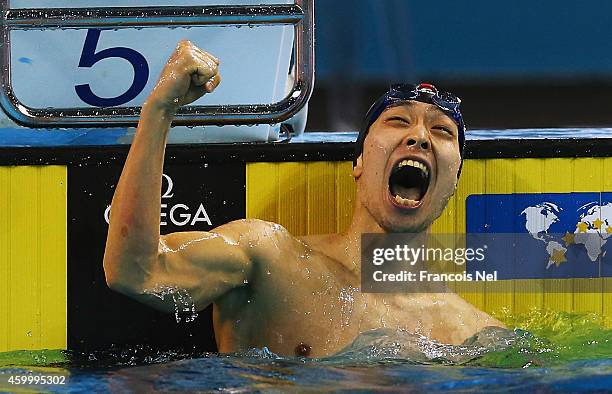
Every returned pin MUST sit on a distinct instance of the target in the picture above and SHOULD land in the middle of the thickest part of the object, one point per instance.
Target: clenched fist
(188, 75)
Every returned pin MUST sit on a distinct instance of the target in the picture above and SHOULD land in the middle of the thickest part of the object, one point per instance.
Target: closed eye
(398, 119)
(444, 128)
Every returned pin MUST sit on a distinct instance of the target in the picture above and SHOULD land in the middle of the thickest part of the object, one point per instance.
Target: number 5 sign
(90, 57)
(95, 66)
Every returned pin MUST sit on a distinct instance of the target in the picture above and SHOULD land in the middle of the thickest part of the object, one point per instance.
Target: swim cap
(425, 93)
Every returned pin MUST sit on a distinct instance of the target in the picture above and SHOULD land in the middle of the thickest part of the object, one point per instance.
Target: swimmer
(295, 295)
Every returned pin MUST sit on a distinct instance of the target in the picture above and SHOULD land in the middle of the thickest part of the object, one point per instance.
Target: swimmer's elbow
(116, 283)
(120, 287)
(138, 293)
(110, 273)
(127, 279)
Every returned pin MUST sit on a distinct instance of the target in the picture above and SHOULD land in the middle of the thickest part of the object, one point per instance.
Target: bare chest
(310, 307)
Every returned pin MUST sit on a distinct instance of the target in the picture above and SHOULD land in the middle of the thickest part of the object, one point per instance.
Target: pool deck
(24, 137)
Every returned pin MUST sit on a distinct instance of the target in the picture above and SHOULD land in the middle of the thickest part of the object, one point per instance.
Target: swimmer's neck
(347, 245)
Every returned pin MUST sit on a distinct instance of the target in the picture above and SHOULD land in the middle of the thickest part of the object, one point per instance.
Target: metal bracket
(300, 14)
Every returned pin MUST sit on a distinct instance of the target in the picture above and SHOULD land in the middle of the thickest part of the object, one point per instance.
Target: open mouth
(408, 183)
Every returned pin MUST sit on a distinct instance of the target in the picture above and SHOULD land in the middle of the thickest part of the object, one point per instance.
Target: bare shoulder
(249, 237)
(257, 237)
(252, 229)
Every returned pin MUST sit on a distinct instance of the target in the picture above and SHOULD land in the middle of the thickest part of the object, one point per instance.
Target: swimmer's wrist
(159, 107)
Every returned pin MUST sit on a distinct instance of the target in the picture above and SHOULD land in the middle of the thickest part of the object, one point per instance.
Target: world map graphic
(544, 235)
(592, 230)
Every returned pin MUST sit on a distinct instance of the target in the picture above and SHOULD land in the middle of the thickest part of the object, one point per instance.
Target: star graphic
(597, 223)
(558, 257)
(582, 227)
(609, 229)
(568, 238)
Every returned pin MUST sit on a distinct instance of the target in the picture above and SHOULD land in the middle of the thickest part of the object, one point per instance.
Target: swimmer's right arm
(140, 263)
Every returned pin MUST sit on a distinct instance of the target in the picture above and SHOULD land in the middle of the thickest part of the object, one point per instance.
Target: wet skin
(295, 295)
(305, 291)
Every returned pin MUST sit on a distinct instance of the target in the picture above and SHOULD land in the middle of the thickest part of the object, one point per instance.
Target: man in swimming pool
(295, 295)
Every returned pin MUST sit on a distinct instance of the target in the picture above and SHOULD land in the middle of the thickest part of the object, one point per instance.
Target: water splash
(385, 343)
(184, 307)
(263, 353)
(552, 338)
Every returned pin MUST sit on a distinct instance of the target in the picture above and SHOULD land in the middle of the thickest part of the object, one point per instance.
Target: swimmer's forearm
(133, 236)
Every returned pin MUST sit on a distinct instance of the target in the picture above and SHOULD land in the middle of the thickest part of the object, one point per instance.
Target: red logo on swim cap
(427, 88)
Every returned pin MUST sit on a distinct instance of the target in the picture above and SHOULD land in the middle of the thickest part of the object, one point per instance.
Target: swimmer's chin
(404, 225)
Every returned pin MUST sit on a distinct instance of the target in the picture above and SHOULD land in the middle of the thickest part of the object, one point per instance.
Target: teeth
(405, 201)
(416, 164)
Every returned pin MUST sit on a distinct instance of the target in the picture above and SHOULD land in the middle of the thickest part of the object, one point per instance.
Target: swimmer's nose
(418, 139)
(423, 144)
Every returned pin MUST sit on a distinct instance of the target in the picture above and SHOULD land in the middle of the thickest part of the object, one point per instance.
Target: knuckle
(184, 45)
(207, 67)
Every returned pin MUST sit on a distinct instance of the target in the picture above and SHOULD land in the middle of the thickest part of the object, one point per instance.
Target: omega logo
(179, 214)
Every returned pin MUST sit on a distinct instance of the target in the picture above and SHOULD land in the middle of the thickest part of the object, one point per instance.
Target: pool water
(550, 352)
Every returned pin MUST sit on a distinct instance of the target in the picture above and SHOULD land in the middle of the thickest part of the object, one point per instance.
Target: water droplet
(183, 303)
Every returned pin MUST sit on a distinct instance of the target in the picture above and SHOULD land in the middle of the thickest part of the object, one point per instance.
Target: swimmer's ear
(358, 168)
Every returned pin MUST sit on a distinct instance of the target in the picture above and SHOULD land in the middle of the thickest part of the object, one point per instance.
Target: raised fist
(188, 75)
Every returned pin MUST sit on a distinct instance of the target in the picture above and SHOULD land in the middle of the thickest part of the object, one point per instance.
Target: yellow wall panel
(306, 198)
(24, 327)
(53, 255)
(5, 207)
(321, 191)
(33, 260)
(262, 191)
(345, 195)
(292, 200)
